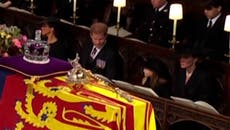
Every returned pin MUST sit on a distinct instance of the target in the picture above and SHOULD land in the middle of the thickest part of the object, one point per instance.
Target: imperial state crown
(36, 51)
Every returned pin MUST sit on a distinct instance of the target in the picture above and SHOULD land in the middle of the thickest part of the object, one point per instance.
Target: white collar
(215, 19)
(162, 7)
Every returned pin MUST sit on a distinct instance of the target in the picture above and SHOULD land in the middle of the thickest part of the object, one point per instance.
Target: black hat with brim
(49, 20)
(157, 65)
(186, 50)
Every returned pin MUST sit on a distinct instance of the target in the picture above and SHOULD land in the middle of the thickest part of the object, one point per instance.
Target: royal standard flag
(54, 104)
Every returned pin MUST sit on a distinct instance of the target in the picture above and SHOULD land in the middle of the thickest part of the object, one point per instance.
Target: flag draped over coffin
(55, 104)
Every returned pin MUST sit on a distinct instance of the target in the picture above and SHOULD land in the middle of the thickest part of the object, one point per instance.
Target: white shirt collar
(215, 19)
(98, 50)
(163, 6)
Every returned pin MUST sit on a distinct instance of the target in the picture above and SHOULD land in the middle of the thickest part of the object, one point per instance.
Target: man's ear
(219, 8)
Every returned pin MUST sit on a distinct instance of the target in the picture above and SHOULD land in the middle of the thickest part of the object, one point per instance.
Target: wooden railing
(167, 111)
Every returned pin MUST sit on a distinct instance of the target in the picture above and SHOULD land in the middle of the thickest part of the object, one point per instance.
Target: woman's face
(147, 72)
(46, 29)
(187, 62)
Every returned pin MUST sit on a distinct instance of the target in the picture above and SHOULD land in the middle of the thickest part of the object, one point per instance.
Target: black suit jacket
(214, 41)
(113, 65)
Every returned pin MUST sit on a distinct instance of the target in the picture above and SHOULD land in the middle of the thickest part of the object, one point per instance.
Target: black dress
(62, 50)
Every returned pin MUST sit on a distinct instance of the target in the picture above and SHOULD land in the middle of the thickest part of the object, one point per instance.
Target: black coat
(113, 67)
(202, 85)
(163, 89)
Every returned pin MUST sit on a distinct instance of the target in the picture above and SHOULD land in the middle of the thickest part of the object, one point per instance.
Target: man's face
(212, 12)
(98, 39)
(158, 3)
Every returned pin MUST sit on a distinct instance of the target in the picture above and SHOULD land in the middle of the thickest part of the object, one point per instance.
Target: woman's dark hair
(52, 22)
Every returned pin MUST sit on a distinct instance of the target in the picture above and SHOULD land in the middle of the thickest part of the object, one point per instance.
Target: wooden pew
(167, 111)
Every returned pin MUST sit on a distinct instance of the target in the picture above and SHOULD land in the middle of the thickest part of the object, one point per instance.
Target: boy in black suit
(210, 35)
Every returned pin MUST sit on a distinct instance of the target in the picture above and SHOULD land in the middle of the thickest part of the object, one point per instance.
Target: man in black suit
(210, 35)
(156, 27)
(100, 56)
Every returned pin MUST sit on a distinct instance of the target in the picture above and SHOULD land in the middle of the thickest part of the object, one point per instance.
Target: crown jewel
(36, 51)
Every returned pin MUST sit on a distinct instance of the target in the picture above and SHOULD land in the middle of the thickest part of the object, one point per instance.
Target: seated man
(99, 55)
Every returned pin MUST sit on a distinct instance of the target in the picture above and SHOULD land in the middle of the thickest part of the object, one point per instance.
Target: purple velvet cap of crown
(16, 63)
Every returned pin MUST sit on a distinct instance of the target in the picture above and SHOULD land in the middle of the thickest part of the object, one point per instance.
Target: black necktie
(209, 24)
(156, 11)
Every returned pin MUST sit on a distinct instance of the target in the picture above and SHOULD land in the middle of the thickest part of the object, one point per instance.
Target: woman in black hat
(157, 76)
(194, 80)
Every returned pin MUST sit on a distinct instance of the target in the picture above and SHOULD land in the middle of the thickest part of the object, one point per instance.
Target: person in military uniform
(156, 27)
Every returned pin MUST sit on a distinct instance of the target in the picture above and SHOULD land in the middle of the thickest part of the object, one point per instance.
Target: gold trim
(28, 75)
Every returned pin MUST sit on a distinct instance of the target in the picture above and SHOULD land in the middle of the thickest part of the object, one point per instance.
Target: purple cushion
(17, 64)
